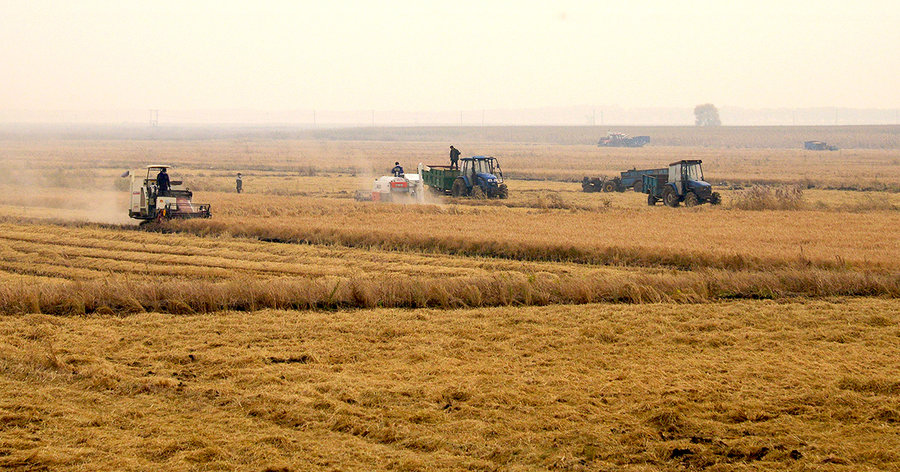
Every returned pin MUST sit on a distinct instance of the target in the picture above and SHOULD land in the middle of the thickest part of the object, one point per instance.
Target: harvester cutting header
(155, 197)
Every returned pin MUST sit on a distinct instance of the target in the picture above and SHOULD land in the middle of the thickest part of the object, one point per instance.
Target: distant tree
(707, 115)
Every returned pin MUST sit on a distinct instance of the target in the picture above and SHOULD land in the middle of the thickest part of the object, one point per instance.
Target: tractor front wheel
(691, 199)
(459, 188)
(478, 193)
(503, 191)
(670, 198)
(715, 198)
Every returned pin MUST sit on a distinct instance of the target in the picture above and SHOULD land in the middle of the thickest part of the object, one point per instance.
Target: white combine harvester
(407, 188)
(149, 204)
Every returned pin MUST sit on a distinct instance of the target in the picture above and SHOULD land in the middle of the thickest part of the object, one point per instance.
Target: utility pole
(482, 118)
(315, 125)
(154, 118)
(594, 117)
(460, 117)
(373, 118)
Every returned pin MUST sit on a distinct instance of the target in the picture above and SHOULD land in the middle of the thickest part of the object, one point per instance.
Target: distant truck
(613, 139)
(477, 177)
(629, 179)
(682, 183)
(818, 146)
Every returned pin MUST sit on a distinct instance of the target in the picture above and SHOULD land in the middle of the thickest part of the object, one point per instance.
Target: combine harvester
(406, 188)
(149, 204)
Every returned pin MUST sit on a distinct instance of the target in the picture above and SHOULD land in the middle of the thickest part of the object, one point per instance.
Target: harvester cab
(684, 183)
(480, 177)
(148, 203)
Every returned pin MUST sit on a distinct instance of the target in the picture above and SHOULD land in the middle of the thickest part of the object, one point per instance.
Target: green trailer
(439, 178)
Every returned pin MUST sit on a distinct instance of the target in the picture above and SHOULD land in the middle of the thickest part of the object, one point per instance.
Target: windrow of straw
(472, 246)
(504, 289)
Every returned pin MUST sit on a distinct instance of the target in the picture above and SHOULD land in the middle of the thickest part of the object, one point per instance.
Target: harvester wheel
(609, 186)
(503, 191)
(715, 198)
(459, 188)
(670, 198)
(638, 186)
(651, 200)
(691, 199)
(478, 193)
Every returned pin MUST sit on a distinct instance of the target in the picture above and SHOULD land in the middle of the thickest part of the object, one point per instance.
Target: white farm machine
(149, 203)
(405, 188)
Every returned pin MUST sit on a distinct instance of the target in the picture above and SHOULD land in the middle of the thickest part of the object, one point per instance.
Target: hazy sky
(450, 55)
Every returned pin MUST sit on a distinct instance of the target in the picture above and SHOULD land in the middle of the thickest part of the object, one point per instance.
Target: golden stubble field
(300, 330)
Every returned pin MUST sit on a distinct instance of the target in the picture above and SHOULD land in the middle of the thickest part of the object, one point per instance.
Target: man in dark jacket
(454, 158)
(397, 170)
(162, 181)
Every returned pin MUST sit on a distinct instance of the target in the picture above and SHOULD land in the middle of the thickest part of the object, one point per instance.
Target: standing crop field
(298, 329)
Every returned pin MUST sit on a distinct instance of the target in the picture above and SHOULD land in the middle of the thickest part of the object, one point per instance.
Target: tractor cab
(688, 176)
(481, 167)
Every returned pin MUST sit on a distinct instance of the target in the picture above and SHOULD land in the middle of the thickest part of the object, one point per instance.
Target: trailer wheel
(651, 200)
(638, 186)
(609, 186)
(459, 188)
(670, 198)
(691, 199)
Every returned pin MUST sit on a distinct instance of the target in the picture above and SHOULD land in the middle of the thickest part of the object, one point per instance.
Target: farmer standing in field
(239, 184)
(397, 170)
(454, 158)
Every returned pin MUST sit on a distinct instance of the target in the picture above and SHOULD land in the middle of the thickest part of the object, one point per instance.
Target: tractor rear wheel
(609, 186)
(638, 186)
(478, 193)
(459, 188)
(691, 199)
(670, 198)
(503, 191)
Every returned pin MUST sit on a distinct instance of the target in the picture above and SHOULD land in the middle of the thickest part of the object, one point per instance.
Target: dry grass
(727, 386)
(300, 330)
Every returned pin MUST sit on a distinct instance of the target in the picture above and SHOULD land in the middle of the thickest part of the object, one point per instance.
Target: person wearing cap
(454, 158)
(397, 170)
(239, 183)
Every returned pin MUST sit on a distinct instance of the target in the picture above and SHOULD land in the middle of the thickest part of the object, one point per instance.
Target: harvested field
(298, 329)
(763, 385)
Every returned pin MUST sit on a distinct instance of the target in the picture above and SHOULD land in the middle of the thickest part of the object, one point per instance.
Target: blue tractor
(479, 177)
(684, 183)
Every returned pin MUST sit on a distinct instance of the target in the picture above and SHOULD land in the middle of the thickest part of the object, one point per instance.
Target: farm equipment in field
(613, 139)
(149, 203)
(405, 188)
(818, 146)
(633, 178)
(682, 183)
(478, 177)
